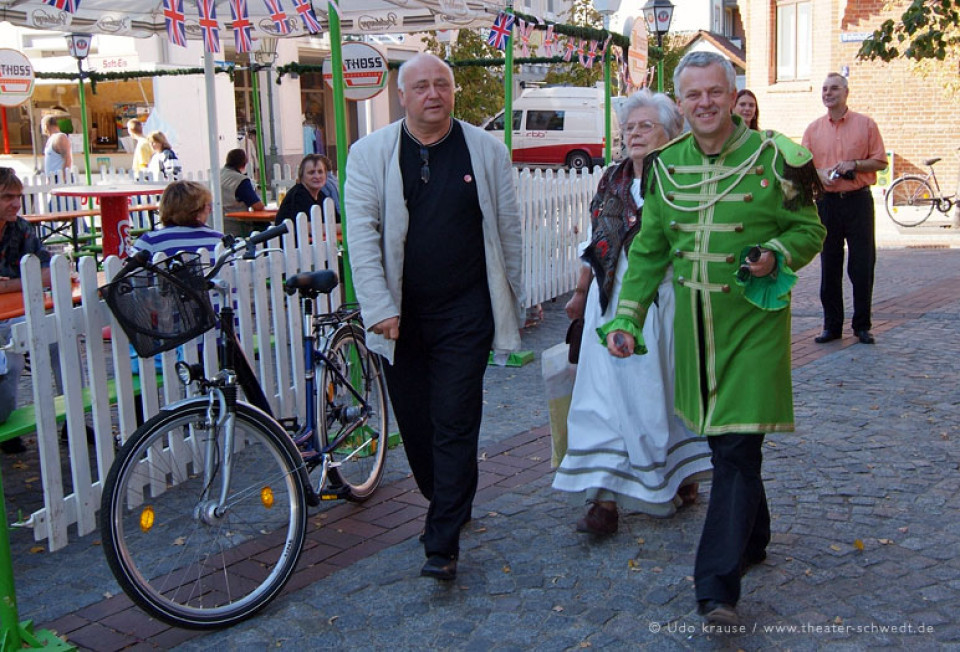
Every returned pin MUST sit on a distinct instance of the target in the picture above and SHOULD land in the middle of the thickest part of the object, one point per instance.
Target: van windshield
(497, 123)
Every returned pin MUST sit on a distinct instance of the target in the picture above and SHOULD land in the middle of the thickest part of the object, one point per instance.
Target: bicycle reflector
(266, 497)
(146, 518)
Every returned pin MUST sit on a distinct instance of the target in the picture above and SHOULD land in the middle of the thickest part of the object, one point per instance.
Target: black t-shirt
(444, 262)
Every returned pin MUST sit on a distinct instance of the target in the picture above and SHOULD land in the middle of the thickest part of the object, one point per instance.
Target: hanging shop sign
(637, 59)
(16, 78)
(364, 71)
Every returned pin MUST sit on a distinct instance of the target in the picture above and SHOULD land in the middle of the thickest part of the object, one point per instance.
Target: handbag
(558, 379)
(574, 337)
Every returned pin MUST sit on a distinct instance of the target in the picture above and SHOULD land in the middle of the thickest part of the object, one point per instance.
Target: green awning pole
(255, 86)
(508, 90)
(340, 117)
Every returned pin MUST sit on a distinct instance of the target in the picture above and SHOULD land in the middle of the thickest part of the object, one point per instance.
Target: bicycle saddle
(931, 161)
(312, 283)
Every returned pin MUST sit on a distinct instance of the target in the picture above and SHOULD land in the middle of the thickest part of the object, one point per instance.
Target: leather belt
(847, 193)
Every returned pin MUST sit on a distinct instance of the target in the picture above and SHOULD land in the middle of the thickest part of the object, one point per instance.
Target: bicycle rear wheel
(910, 201)
(359, 459)
(172, 554)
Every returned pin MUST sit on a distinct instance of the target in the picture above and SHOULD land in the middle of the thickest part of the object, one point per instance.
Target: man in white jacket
(433, 231)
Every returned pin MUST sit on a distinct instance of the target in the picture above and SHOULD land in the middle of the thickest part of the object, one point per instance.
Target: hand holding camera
(835, 174)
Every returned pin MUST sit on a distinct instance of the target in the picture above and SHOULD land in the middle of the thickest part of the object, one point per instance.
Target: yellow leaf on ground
(19, 466)
(36, 550)
(885, 542)
(858, 544)
(641, 540)
(834, 546)
(506, 568)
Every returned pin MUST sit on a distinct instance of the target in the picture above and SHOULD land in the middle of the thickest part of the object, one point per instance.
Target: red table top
(110, 190)
(11, 303)
(265, 214)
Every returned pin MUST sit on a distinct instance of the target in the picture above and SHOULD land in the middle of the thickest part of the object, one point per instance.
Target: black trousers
(436, 387)
(849, 219)
(737, 527)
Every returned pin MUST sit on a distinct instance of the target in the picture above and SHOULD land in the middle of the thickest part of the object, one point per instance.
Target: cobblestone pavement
(864, 496)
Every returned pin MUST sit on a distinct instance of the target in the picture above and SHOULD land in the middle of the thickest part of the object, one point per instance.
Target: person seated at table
(308, 191)
(164, 164)
(236, 189)
(185, 207)
(17, 238)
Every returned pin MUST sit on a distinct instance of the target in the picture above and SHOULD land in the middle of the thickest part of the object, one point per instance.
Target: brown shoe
(599, 520)
(688, 493)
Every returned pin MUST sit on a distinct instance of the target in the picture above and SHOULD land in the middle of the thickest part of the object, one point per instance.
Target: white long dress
(624, 441)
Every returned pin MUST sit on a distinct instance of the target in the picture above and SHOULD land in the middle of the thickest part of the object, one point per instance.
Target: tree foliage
(928, 29)
(479, 88)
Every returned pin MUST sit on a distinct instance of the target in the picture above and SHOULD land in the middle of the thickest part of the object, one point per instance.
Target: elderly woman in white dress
(626, 447)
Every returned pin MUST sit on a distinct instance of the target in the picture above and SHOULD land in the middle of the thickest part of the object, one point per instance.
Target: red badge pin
(467, 178)
(764, 183)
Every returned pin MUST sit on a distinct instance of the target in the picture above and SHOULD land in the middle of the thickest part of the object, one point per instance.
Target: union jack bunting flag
(550, 42)
(278, 16)
(241, 25)
(569, 48)
(70, 6)
(525, 30)
(209, 25)
(500, 31)
(176, 28)
(305, 9)
(591, 54)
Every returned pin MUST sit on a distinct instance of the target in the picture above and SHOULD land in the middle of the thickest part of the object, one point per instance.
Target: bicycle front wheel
(357, 460)
(182, 554)
(910, 201)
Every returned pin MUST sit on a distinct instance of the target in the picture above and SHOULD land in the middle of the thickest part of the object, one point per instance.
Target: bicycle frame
(309, 435)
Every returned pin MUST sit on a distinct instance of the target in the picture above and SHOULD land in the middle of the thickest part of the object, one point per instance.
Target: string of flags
(587, 51)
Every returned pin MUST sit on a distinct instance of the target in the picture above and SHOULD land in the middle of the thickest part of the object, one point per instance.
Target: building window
(794, 40)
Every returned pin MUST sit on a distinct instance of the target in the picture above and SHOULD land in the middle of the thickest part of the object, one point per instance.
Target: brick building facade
(792, 45)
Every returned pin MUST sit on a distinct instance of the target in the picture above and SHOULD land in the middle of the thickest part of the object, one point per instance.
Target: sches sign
(364, 71)
(16, 78)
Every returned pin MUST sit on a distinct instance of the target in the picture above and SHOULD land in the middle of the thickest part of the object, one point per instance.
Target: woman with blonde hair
(185, 207)
(164, 164)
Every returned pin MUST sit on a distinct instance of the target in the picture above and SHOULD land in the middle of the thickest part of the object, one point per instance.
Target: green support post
(340, 116)
(607, 122)
(508, 89)
(83, 124)
(15, 635)
(255, 86)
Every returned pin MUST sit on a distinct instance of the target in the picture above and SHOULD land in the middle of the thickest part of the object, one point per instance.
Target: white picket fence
(554, 210)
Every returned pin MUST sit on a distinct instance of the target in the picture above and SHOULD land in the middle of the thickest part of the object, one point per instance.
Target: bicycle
(204, 511)
(910, 200)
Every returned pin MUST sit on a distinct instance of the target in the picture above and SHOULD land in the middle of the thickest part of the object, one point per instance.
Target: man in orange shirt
(848, 152)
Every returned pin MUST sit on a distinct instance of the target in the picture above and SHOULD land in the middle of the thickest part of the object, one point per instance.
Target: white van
(560, 125)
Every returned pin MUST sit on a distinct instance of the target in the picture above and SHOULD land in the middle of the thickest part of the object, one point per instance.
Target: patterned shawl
(615, 220)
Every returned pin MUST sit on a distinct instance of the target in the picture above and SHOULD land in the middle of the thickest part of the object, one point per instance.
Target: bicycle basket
(162, 305)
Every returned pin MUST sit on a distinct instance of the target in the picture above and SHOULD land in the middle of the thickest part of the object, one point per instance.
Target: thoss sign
(16, 78)
(364, 71)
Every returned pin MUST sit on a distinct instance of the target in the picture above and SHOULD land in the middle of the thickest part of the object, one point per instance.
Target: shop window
(794, 40)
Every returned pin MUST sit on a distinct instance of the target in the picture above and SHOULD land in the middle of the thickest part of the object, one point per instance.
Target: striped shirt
(173, 239)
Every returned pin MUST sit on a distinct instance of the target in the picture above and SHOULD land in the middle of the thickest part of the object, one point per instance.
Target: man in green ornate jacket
(732, 210)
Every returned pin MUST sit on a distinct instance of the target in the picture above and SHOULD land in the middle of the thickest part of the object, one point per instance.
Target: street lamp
(658, 14)
(266, 56)
(607, 8)
(79, 45)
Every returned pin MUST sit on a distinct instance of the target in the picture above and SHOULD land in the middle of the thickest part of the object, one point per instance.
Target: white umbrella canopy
(142, 18)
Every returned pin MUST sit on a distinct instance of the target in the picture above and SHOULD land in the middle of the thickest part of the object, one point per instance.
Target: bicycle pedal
(334, 493)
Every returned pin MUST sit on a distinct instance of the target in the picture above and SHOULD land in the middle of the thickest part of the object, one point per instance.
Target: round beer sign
(16, 78)
(364, 71)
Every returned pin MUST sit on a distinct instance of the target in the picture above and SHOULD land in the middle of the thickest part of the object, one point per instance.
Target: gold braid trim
(800, 186)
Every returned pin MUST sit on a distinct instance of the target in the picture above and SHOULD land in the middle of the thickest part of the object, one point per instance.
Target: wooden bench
(23, 420)
(48, 223)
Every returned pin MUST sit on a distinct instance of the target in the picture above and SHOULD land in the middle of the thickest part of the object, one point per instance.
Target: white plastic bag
(558, 377)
